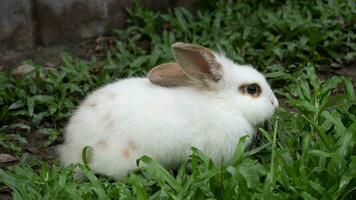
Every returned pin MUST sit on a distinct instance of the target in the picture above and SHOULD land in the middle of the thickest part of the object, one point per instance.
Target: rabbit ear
(199, 63)
(169, 75)
(197, 66)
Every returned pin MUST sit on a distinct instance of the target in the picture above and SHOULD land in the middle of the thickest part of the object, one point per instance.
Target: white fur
(164, 123)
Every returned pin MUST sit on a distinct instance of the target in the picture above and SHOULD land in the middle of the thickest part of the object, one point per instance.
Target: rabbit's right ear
(198, 62)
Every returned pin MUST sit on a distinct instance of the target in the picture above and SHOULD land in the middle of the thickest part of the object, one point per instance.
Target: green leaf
(138, 187)
(16, 105)
(307, 196)
(304, 105)
(323, 154)
(30, 106)
(52, 107)
(86, 155)
(73, 193)
(350, 91)
(98, 189)
(159, 173)
(330, 84)
(239, 151)
(256, 150)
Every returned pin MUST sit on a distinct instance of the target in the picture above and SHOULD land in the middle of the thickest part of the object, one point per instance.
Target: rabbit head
(242, 86)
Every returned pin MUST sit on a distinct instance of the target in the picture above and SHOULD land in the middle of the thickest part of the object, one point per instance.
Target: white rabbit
(204, 100)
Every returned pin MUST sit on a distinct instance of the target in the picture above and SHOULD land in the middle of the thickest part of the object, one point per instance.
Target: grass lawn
(303, 47)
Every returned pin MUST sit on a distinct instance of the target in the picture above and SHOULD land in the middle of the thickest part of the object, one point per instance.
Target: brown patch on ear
(198, 62)
(126, 153)
(168, 75)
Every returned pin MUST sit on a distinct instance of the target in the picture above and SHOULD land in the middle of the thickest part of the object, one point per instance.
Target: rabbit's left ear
(169, 75)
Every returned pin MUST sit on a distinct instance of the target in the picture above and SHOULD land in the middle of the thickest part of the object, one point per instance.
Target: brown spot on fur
(91, 104)
(126, 153)
(131, 146)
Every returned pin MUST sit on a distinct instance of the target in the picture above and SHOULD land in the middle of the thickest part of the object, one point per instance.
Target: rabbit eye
(253, 89)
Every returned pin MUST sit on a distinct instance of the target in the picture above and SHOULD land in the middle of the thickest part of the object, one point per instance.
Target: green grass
(309, 155)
